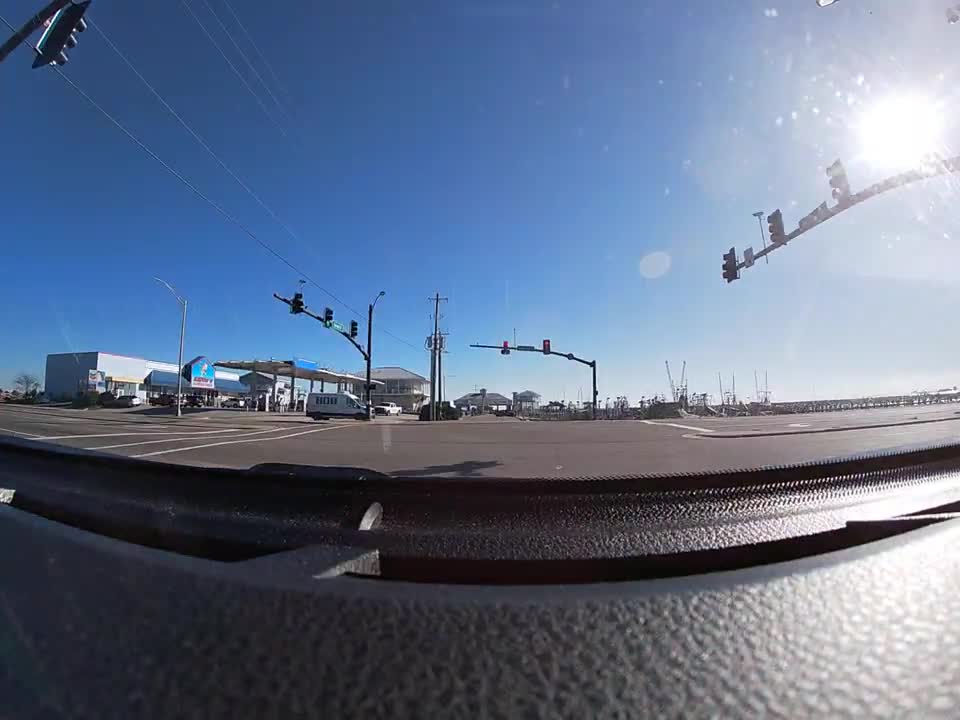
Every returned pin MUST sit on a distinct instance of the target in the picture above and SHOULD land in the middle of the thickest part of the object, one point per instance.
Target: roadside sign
(200, 373)
(96, 380)
(528, 348)
(748, 257)
(337, 326)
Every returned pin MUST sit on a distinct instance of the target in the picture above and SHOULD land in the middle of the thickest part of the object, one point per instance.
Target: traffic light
(839, 183)
(354, 328)
(506, 348)
(546, 347)
(59, 35)
(296, 305)
(730, 272)
(327, 315)
(778, 235)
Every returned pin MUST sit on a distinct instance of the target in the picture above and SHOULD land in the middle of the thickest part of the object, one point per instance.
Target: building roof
(305, 370)
(393, 373)
(476, 398)
(527, 396)
(161, 378)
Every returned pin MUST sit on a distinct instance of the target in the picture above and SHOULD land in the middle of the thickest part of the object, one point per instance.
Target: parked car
(446, 411)
(124, 401)
(234, 403)
(387, 408)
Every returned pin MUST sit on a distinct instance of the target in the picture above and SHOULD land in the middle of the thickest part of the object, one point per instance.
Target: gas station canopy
(296, 368)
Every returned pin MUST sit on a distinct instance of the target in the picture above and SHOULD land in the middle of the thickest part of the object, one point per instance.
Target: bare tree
(26, 382)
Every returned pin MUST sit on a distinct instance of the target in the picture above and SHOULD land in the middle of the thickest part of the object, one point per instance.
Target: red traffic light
(506, 348)
(546, 347)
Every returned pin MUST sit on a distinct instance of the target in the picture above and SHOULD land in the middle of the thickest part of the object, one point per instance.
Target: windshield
(564, 239)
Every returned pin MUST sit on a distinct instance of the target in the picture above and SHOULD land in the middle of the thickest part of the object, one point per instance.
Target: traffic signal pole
(847, 200)
(369, 354)
(31, 26)
(505, 349)
(298, 308)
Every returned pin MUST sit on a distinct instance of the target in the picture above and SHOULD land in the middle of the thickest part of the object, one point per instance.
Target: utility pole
(440, 370)
(434, 354)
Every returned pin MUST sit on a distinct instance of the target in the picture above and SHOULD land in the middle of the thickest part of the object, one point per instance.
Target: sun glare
(899, 132)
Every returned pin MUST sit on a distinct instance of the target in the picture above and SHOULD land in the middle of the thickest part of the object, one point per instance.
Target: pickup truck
(388, 408)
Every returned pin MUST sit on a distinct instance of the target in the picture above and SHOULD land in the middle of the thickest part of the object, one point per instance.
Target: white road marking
(678, 425)
(239, 442)
(799, 425)
(127, 434)
(182, 439)
(18, 432)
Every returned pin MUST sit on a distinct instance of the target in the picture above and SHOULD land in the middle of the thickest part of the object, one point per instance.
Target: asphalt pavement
(487, 446)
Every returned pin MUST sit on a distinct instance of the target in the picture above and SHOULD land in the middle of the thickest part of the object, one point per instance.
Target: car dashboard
(137, 589)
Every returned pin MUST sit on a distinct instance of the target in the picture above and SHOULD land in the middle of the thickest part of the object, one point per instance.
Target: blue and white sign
(302, 364)
(200, 373)
(96, 380)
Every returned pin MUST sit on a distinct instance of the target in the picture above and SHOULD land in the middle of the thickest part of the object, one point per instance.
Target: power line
(199, 193)
(257, 50)
(196, 136)
(193, 188)
(233, 67)
(246, 59)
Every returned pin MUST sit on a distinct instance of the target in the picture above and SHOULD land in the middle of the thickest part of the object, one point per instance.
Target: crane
(673, 388)
(682, 390)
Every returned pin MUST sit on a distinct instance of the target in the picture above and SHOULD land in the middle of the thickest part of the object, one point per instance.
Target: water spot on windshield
(655, 265)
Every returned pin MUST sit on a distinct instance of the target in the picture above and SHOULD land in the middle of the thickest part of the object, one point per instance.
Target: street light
(370, 350)
(763, 240)
(183, 325)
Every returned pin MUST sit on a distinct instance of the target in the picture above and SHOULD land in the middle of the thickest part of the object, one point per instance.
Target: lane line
(19, 432)
(678, 425)
(127, 434)
(240, 442)
(180, 439)
(799, 425)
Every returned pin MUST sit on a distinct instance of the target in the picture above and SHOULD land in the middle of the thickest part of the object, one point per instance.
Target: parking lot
(481, 446)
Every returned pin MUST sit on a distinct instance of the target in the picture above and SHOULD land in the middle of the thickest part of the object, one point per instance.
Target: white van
(333, 405)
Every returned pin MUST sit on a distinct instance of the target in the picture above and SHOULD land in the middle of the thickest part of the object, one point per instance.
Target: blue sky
(521, 158)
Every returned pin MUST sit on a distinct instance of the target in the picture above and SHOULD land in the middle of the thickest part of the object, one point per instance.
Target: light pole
(183, 326)
(370, 351)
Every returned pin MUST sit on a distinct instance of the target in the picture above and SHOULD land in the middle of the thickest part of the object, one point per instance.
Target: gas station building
(274, 384)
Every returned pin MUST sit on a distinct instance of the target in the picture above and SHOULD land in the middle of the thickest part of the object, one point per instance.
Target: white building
(403, 387)
(70, 373)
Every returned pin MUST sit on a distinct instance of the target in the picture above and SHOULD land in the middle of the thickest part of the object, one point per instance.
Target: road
(475, 447)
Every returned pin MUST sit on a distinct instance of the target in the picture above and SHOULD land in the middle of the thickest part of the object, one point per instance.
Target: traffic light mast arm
(324, 323)
(31, 26)
(592, 364)
(891, 183)
(568, 356)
